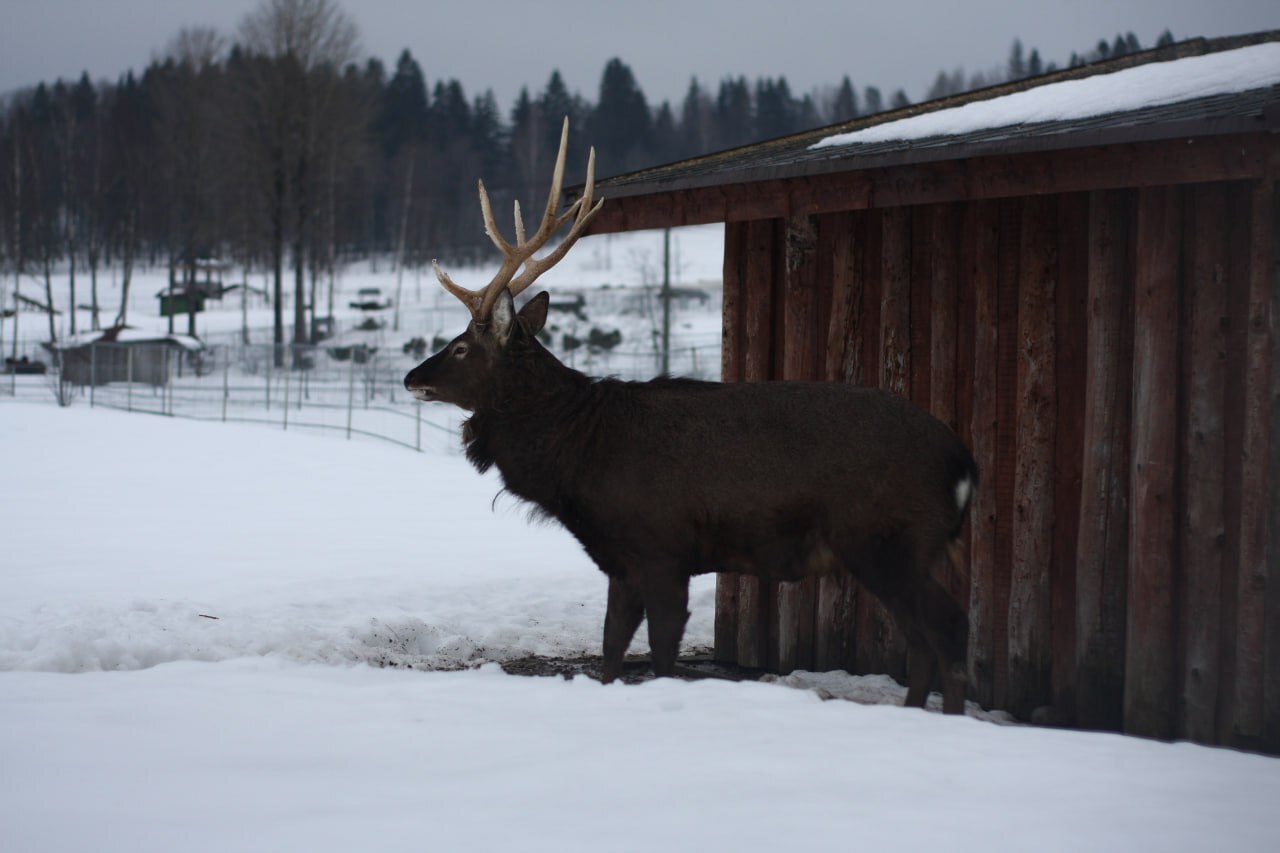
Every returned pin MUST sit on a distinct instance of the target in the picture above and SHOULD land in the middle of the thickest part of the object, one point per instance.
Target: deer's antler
(582, 211)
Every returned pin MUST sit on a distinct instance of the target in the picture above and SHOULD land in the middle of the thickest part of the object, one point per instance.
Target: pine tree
(733, 115)
(872, 100)
(1017, 66)
(845, 105)
(621, 127)
(405, 109)
(696, 131)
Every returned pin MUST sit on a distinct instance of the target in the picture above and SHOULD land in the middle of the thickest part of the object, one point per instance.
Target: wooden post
(795, 602)
(1030, 611)
(1202, 532)
(1255, 452)
(837, 593)
(1070, 357)
(754, 596)
(1149, 641)
(979, 267)
(879, 643)
(1102, 549)
(731, 370)
(1271, 653)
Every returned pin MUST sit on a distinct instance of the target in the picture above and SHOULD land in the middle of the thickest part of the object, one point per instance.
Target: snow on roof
(128, 336)
(1153, 84)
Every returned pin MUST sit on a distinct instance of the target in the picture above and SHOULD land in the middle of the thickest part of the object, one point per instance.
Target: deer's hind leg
(622, 616)
(666, 604)
(921, 665)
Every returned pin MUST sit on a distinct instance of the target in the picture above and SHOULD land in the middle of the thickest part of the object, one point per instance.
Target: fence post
(128, 355)
(168, 380)
(226, 390)
(288, 359)
(93, 370)
(351, 393)
(270, 363)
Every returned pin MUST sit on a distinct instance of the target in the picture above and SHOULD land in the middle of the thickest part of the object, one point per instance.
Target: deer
(669, 478)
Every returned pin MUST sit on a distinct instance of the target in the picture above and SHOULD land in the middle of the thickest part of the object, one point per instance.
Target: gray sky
(504, 45)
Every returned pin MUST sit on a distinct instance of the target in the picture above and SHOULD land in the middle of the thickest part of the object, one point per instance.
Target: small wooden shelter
(1088, 298)
(121, 354)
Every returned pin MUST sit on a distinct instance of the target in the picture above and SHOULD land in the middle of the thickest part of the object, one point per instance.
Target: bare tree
(297, 51)
(190, 126)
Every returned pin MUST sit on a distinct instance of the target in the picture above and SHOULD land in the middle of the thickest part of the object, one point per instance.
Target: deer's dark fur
(670, 478)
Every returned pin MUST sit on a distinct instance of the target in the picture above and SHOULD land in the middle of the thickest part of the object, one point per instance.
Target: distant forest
(281, 150)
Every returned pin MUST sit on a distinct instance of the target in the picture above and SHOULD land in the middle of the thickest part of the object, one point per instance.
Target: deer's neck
(535, 431)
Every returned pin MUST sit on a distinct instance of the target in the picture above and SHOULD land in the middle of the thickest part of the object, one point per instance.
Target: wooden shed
(1078, 273)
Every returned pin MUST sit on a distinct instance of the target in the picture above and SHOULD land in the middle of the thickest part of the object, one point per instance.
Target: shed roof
(128, 335)
(1194, 88)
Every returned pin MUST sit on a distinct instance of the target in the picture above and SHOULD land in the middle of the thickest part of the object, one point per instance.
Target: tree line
(280, 150)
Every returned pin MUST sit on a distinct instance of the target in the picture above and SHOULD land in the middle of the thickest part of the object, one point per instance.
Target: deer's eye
(460, 351)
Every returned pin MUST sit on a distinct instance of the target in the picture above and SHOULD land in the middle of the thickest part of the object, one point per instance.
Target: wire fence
(351, 390)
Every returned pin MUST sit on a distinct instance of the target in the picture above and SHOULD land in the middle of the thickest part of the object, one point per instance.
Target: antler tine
(582, 211)
(480, 302)
(469, 298)
(551, 223)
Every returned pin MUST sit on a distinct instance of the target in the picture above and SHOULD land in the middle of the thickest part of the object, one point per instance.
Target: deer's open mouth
(425, 395)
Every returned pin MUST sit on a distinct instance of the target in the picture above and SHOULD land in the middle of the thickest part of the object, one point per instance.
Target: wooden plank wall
(1109, 357)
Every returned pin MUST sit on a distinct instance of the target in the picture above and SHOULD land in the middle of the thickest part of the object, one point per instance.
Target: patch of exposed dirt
(635, 669)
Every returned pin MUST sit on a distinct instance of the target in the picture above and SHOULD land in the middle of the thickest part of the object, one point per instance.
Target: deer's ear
(534, 312)
(503, 318)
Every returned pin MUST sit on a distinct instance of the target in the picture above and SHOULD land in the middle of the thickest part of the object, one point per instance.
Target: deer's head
(466, 370)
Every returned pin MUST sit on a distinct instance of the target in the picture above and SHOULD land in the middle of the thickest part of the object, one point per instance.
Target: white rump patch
(964, 488)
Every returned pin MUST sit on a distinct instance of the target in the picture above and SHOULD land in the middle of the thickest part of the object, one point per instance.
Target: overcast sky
(505, 45)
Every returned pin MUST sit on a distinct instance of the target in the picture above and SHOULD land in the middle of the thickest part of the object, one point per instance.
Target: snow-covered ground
(190, 618)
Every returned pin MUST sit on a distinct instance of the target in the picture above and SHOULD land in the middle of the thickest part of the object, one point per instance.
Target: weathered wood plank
(795, 602)
(1149, 659)
(944, 255)
(1071, 320)
(871, 621)
(1239, 207)
(763, 248)
(919, 309)
(1102, 552)
(732, 368)
(1202, 532)
(979, 269)
(1271, 654)
(964, 381)
(1144, 164)
(1030, 612)
(1256, 451)
(1004, 476)
(885, 644)
(944, 238)
(845, 234)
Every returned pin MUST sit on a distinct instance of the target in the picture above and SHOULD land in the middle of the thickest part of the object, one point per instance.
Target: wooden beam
(878, 634)
(795, 602)
(1255, 452)
(845, 234)
(1004, 475)
(979, 268)
(732, 368)
(1030, 614)
(1068, 456)
(1271, 655)
(1102, 551)
(1149, 660)
(1202, 532)
(1141, 164)
(763, 248)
